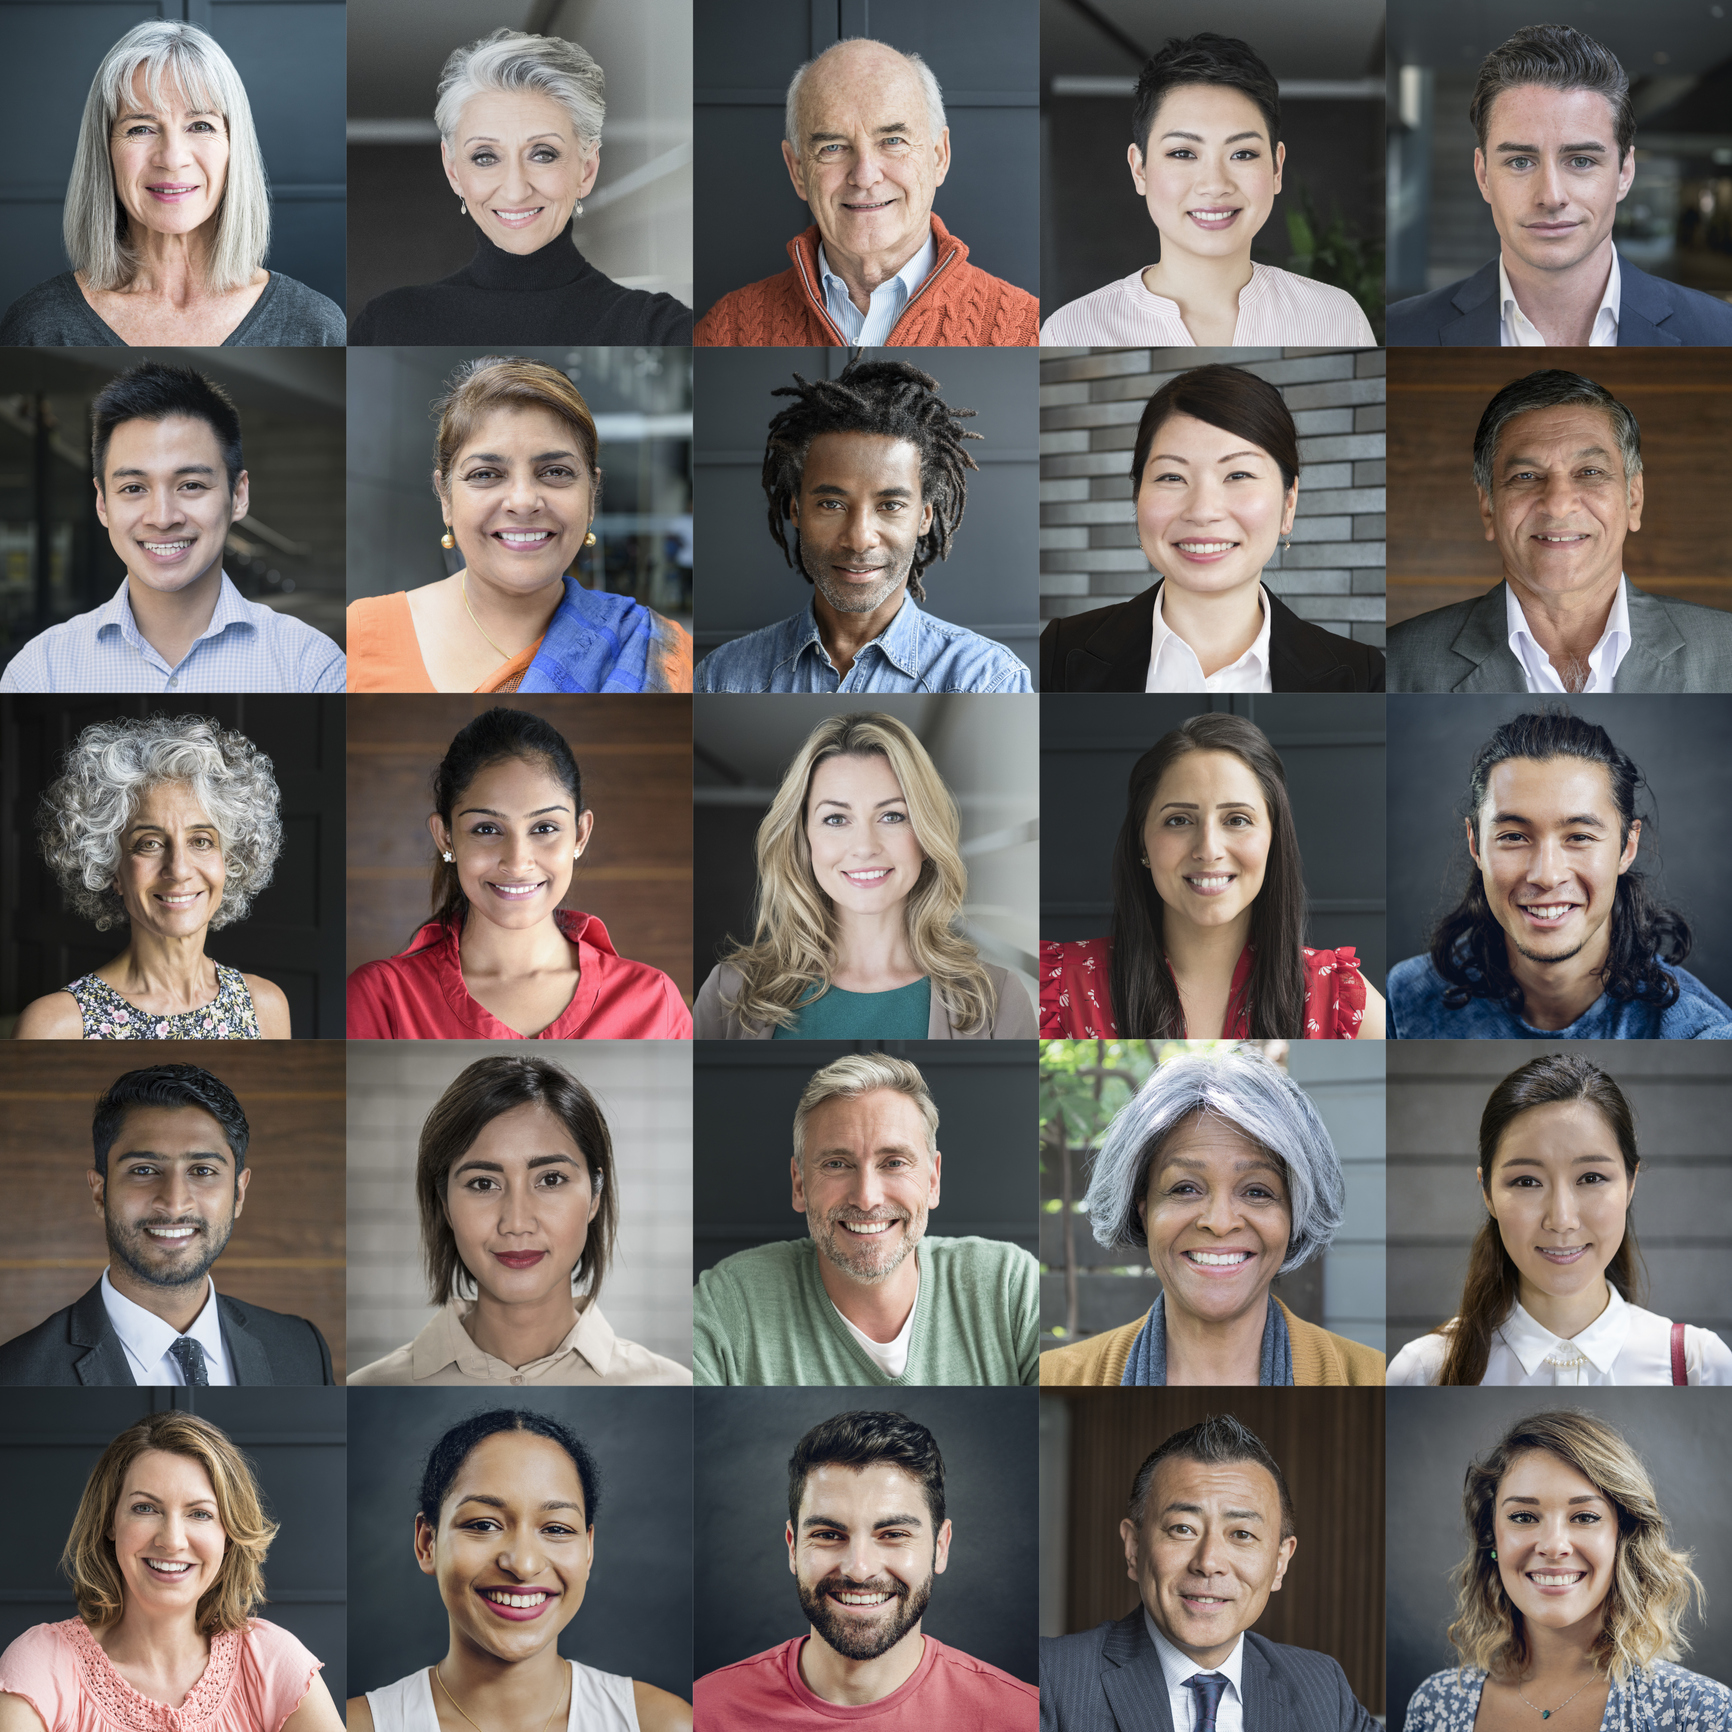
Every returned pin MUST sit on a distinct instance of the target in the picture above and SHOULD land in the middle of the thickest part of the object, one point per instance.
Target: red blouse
(420, 995)
(1076, 993)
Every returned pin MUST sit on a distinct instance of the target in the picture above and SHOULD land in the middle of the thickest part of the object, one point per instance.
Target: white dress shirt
(1603, 658)
(1519, 332)
(1173, 664)
(884, 306)
(147, 1340)
(891, 1357)
(1177, 1667)
(1623, 1346)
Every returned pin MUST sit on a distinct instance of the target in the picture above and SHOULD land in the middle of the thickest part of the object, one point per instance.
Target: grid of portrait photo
(549, 548)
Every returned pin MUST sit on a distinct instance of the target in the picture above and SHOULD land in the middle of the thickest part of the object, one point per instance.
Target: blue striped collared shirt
(884, 305)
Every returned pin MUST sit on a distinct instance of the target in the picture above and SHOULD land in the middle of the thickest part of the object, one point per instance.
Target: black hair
(492, 737)
(154, 392)
(1205, 58)
(1468, 947)
(1556, 57)
(167, 1085)
(448, 1455)
(890, 398)
(1229, 398)
(858, 1440)
(1217, 1441)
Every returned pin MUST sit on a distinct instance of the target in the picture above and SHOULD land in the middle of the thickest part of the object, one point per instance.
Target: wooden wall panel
(635, 753)
(288, 1246)
(1682, 400)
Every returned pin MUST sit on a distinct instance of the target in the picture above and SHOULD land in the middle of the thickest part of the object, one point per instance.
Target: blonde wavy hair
(1652, 1583)
(794, 939)
(89, 1557)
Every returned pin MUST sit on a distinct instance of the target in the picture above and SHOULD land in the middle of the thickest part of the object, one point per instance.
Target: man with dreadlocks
(869, 470)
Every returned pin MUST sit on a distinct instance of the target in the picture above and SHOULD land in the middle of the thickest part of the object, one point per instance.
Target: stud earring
(447, 540)
(447, 856)
(1494, 1557)
(589, 540)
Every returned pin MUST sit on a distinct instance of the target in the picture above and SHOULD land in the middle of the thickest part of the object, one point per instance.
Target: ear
(788, 1527)
(425, 1539)
(796, 168)
(98, 1186)
(926, 517)
(1630, 1195)
(590, 173)
(450, 167)
(1280, 162)
(1282, 1558)
(1632, 842)
(1634, 490)
(1292, 507)
(242, 496)
(937, 1171)
(941, 1552)
(101, 501)
(941, 157)
(1485, 516)
(797, 1174)
(436, 829)
(1128, 1533)
(1141, 180)
(1479, 175)
(1626, 174)
(585, 824)
(242, 1179)
(1472, 842)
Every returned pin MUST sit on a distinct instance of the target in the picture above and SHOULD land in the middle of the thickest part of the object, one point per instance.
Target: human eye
(1522, 1181)
(1260, 1194)
(1243, 475)
(1182, 153)
(482, 474)
(558, 472)
(1587, 1517)
(142, 1507)
(1168, 475)
(552, 1181)
(1595, 1179)
(893, 817)
(483, 158)
(833, 820)
(204, 1170)
(482, 1525)
(1584, 162)
(1248, 152)
(200, 126)
(484, 828)
(481, 1182)
(1184, 1187)
(1175, 820)
(1509, 836)
(1239, 820)
(1523, 1518)
(547, 827)
(1518, 162)
(544, 153)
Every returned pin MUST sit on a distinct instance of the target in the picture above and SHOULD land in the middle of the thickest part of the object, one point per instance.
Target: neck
(1567, 627)
(526, 1694)
(521, 1333)
(170, 969)
(1562, 304)
(158, 1644)
(864, 272)
(178, 1307)
(176, 267)
(1198, 284)
(1205, 1659)
(1560, 1660)
(1569, 1315)
(872, 953)
(1201, 1350)
(1202, 959)
(1554, 994)
(171, 621)
(852, 1683)
(1219, 628)
(508, 621)
(844, 635)
(875, 1308)
(489, 952)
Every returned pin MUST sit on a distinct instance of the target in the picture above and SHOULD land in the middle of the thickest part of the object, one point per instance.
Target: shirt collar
(1617, 625)
(911, 276)
(1600, 1343)
(232, 608)
(1258, 652)
(1177, 1666)
(898, 642)
(1609, 301)
(445, 1342)
(148, 1338)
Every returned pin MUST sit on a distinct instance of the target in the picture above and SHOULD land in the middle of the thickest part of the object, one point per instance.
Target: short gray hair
(1551, 388)
(1258, 1099)
(512, 60)
(857, 1074)
(928, 84)
(94, 222)
(84, 814)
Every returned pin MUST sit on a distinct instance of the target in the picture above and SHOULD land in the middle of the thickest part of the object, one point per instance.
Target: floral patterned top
(108, 1016)
(1661, 1698)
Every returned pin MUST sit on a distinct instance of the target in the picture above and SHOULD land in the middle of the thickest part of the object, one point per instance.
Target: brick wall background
(1090, 403)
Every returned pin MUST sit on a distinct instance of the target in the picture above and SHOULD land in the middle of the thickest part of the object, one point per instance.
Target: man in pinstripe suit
(1208, 1539)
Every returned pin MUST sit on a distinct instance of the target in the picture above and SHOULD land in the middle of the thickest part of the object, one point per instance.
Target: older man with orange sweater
(866, 148)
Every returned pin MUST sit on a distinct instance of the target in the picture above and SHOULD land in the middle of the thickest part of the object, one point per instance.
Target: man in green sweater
(868, 1298)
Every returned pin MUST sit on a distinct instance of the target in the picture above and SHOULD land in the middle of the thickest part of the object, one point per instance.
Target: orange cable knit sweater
(958, 306)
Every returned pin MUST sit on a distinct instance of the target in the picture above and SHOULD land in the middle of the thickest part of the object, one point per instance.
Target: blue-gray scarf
(600, 642)
(1147, 1364)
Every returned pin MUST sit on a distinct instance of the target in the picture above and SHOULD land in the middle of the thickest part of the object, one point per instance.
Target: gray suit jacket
(1109, 1679)
(1675, 646)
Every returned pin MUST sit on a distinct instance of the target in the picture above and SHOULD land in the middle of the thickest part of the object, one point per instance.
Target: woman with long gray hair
(168, 216)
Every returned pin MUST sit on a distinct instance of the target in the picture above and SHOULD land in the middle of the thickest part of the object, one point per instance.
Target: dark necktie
(1208, 1687)
(189, 1356)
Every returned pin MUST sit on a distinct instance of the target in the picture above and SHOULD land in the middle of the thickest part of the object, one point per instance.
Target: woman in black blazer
(1216, 477)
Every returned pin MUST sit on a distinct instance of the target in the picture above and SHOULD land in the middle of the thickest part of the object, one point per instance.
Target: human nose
(1220, 1212)
(1562, 1215)
(860, 533)
(1546, 864)
(860, 1563)
(867, 168)
(1560, 496)
(1208, 1558)
(173, 1192)
(522, 1555)
(1549, 189)
(516, 1210)
(1209, 843)
(164, 510)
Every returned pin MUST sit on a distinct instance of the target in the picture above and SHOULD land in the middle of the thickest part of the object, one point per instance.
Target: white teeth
(868, 877)
(518, 889)
(1555, 1581)
(526, 537)
(171, 1232)
(167, 546)
(520, 1602)
(1560, 538)
(1207, 546)
(861, 1599)
(868, 1226)
(1218, 881)
(164, 1567)
(1218, 1259)
(1548, 910)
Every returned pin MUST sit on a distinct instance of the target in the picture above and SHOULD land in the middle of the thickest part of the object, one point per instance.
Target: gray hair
(85, 813)
(512, 60)
(94, 224)
(1551, 388)
(928, 84)
(857, 1074)
(1257, 1098)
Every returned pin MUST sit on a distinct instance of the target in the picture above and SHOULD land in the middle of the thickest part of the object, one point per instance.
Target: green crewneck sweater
(762, 1316)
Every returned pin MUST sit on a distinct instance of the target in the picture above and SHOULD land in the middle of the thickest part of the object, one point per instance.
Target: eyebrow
(488, 812)
(881, 493)
(1539, 150)
(1237, 1515)
(826, 137)
(184, 469)
(488, 138)
(1243, 1165)
(500, 1503)
(482, 1166)
(1535, 1161)
(1197, 137)
(881, 1149)
(497, 457)
(1580, 1497)
(189, 1155)
(1583, 818)
(1220, 805)
(1586, 451)
(847, 806)
(162, 829)
(157, 1497)
(150, 114)
(884, 1521)
(1231, 457)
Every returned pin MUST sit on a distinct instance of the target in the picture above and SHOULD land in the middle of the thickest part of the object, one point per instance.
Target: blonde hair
(89, 1557)
(859, 1073)
(794, 939)
(1652, 1581)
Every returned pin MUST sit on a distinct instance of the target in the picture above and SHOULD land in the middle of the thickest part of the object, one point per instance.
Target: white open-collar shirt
(1174, 667)
(1603, 659)
(1518, 331)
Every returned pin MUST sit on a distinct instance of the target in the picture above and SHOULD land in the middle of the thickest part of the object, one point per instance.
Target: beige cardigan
(713, 1020)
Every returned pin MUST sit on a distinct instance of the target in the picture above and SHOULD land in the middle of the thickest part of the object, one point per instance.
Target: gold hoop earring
(447, 541)
(589, 540)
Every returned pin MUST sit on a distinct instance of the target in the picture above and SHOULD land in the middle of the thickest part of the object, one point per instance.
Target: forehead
(170, 1474)
(861, 462)
(514, 786)
(523, 1132)
(168, 1131)
(517, 1466)
(1558, 1132)
(1536, 114)
(861, 1495)
(1211, 1139)
(1553, 788)
(1541, 1474)
(1216, 1485)
(1198, 441)
(504, 115)
(1213, 111)
(862, 86)
(1207, 779)
(871, 1120)
(1558, 432)
(168, 444)
(521, 429)
(168, 805)
(856, 779)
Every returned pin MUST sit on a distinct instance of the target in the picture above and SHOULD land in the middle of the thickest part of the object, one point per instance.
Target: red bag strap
(1679, 1375)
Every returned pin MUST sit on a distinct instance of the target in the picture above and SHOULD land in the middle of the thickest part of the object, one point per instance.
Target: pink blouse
(255, 1680)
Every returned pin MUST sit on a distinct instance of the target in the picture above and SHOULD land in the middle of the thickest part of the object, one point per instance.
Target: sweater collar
(553, 266)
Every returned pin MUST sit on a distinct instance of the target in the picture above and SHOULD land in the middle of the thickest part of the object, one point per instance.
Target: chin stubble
(855, 600)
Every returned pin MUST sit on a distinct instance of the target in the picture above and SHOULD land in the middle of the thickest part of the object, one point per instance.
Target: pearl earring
(447, 858)
(447, 540)
(463, 207)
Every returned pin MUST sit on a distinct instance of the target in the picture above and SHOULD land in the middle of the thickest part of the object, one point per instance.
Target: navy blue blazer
(1651, 311)
(1109, 1679)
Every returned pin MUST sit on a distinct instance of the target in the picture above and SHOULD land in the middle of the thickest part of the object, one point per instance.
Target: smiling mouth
(859, 573)
(166, 191)
(868, 1601)
(166, 1567)
(1206, 1602)
(1210, 883)
(171, 1235)
(1563, 540)
(517, 892)
(524, 538)
(519, 1259)
(1562, 1254)
(1555, 1579)
(1217, 1260)
(1213, 219)
(181, 899)
(517, 1604)
(867, 209)
(165, 549)
(1548, 913)
(517, 219)
(868, 877)
(869, 1229)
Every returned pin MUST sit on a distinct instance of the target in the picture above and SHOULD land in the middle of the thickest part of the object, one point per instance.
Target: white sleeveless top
(600, 1702)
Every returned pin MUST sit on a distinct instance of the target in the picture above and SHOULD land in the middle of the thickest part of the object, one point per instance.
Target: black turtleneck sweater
(552, 296)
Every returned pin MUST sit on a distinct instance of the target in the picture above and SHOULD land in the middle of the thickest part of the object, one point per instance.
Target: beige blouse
(444, 1354)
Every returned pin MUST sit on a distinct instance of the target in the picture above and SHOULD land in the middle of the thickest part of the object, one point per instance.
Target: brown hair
(477, 1097)
(1557, 58)
(1229, 398)
(1493, 1280)
(89, 1558)
(480, 386)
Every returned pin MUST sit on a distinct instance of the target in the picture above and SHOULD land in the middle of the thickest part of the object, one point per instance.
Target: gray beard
(852, 599)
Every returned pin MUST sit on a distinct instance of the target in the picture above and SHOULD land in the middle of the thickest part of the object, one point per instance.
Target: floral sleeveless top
(108, 1016)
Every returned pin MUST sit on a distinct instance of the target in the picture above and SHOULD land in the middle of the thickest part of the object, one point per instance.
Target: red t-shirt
(420, 995)
(949, 1692)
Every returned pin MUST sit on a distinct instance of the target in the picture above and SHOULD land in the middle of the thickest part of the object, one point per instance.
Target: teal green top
(762, 1316)
(904, 1014)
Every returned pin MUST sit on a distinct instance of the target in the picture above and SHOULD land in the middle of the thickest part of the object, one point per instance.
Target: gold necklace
(463, 587)
(458, 1705)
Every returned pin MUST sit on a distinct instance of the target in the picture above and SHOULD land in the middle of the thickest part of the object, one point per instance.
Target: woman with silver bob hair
(1219, 1168)
(170, 826)
(519, 120)
(168, 216)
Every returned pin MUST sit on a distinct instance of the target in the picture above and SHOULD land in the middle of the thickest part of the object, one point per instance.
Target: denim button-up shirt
(914, 653)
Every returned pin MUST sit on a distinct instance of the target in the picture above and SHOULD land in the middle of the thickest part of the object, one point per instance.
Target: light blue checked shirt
(247, 647)
(914, 653)
(884, 305)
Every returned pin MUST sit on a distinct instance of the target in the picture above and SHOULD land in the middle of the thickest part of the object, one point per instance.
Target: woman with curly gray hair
(169, 826)
(1222, 1173)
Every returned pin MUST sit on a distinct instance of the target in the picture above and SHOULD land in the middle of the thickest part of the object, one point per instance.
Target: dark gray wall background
(1681, 1094)
(744, 1096)
(991, 581)
(636, 1616)
(293, 1437)
(1434, 1433)
(985, 1603)
(985, 55)
(1331, 745)
(290, 56)
(1683, 745)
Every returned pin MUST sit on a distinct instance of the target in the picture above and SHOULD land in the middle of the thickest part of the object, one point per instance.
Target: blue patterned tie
(189, 1356)
(1208, 1687)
